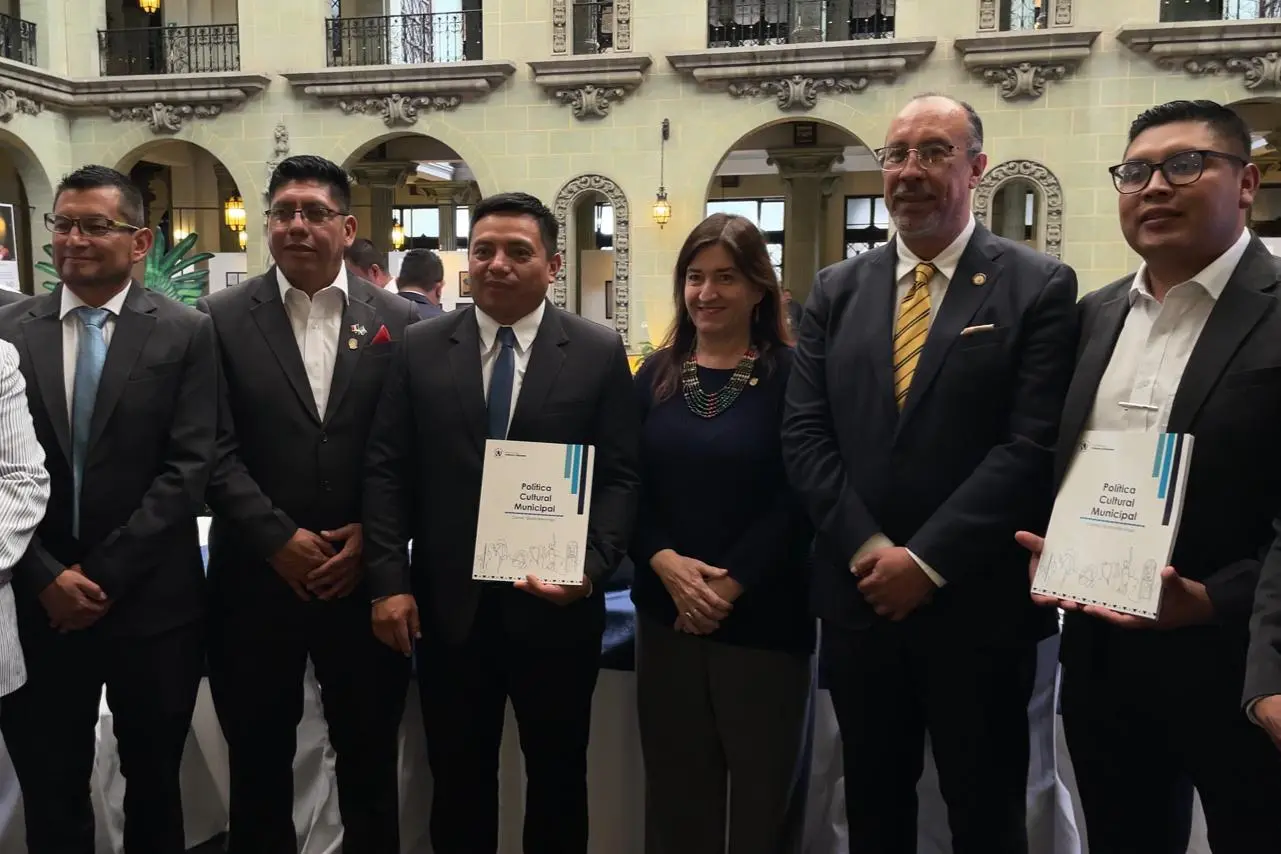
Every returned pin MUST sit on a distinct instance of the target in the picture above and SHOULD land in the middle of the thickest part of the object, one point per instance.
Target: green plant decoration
(164, 271)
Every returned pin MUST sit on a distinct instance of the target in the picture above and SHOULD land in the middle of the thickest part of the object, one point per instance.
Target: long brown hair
(746, 246)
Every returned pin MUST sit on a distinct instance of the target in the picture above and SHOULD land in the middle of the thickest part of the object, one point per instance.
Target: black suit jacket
(279, 465)
(1229, 399)
(968, 460)
(8, 297)
(150, 451)
(426, 457)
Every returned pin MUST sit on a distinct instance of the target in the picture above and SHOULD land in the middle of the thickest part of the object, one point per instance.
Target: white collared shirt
(526, 330)
(71, 334)
(1137, 389)
(945, 264)
(317, 324)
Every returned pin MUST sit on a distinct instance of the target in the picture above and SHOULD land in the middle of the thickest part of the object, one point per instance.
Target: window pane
(881, 214)
(743, 207)
(1029, 210)
(605, 219)
(775, 253)
(772, 212)
(462, 222)
(858, 212)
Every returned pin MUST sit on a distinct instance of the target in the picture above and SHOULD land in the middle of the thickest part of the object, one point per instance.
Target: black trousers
(464, 690)
(257, 661)
(892, 683)
(1150, 726)
(49, 730)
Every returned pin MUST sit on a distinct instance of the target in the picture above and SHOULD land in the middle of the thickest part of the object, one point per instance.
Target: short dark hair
(1223, 121)
(309, 167)
(363, 254)
(976, 123)
(420, 268)
(520, 204)
(95, 177)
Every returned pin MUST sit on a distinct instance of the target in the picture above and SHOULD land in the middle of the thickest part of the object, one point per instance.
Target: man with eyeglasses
(122, 385)
(921, 417)
(1191, 343)
(304, 351)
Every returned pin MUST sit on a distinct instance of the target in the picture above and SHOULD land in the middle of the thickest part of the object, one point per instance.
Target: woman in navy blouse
(724, 634)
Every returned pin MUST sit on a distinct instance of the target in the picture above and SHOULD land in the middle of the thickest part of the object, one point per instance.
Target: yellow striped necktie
(910, 330)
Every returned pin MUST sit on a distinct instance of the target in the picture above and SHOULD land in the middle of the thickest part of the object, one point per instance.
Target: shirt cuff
(874, 542)
(1249, 710)
(938, 580)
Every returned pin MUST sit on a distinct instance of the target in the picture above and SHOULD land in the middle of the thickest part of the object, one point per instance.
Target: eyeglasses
(894, 157)
(90, 226)
(1179, 170)
(314, 214)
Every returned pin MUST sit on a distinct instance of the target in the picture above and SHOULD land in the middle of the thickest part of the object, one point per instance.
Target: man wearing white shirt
(511, 367)
(1191, 343)
(305, 348)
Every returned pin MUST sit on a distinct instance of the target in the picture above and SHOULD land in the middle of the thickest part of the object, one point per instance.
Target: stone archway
(566, 198)
(1047, 186)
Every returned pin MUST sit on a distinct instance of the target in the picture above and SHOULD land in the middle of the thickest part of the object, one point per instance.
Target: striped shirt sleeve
(24, 483)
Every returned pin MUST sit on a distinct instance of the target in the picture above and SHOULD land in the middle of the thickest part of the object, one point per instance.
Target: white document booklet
(535, 499)
(1115, 521)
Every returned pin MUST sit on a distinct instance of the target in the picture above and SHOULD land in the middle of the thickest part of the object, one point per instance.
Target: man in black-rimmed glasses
(1191, 343)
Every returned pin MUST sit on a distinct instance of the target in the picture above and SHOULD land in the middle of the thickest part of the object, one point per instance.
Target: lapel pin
(753, 381)
(358, 329)
(351, 344)
(978, 279)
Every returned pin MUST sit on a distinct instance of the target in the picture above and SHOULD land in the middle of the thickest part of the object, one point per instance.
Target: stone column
(807, 179)
(382, 180)
(448, 231)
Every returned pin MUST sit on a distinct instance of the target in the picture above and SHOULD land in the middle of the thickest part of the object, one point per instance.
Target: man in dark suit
(8, 297)
(122, 385)
(1191, 343)
(305, 348)
(421, 279)
(1263, 665)
(513, 367)
(921, 417)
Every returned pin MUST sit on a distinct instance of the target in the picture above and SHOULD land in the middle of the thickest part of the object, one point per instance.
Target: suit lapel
(546, 356)
(960, 303)
(1101, 338)
(42, 336)
(360, 314)
(132, 329)
(268, 313)
(464, 364)
(875, 307)
(1235, 314)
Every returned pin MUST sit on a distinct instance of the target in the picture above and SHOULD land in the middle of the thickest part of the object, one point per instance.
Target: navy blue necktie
(500, 384)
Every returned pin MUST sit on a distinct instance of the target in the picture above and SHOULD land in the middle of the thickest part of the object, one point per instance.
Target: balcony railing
(17, 40)
(404, 39)
(739, 23)
(169, 50)
(1023, 14)
(593, 27)
(1219, 10)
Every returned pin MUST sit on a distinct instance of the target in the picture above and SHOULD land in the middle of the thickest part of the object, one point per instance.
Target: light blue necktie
(91, 354)
(500, 384)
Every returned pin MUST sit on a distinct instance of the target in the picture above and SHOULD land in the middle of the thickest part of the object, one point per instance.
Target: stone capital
(809, 162)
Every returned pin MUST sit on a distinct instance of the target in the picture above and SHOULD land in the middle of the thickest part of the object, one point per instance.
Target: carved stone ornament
(562, 11)
(1248, 48)
(399, 109)
(797, 92)
(280, 151)
(11, 103)
(566, 199)
(590, 102)
(165, 118)
(1024, 80)
(1048, 187)
(1258, 72)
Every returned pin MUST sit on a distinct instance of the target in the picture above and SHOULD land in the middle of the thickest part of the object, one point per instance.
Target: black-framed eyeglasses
(91, 226)
(894, 157)
(1179, 170)
(314, 214)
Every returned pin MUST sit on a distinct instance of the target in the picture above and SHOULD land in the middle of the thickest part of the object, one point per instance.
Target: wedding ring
(689, 615)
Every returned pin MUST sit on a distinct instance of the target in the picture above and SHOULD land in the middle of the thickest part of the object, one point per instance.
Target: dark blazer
(577, 389)
(1263, 661)
(1230, 399)
(279, 465)
(150, 451)
(8, 297)
(425, 307)
(967, 462)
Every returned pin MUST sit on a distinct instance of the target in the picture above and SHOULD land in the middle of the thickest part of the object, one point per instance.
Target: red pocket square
(382, 337)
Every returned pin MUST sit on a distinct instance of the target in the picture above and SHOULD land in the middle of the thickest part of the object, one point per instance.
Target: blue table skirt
(619, 643)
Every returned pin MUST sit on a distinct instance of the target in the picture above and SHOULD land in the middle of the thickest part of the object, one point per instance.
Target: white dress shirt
(1138, 387)
(526, 330)
(317, 324)
(945, 264)
(71, 327)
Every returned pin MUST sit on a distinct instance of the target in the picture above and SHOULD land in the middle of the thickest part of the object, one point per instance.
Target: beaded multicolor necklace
(710, 405)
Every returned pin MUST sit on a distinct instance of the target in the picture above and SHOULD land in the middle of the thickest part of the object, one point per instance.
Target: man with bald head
(921, 418)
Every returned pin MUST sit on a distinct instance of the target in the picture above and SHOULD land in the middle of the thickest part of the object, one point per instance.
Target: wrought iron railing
(738, 23)
(1023, 14)
(17, 40)
(404, 39)
(1219, 10)
(593, 27)
(169, 50)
